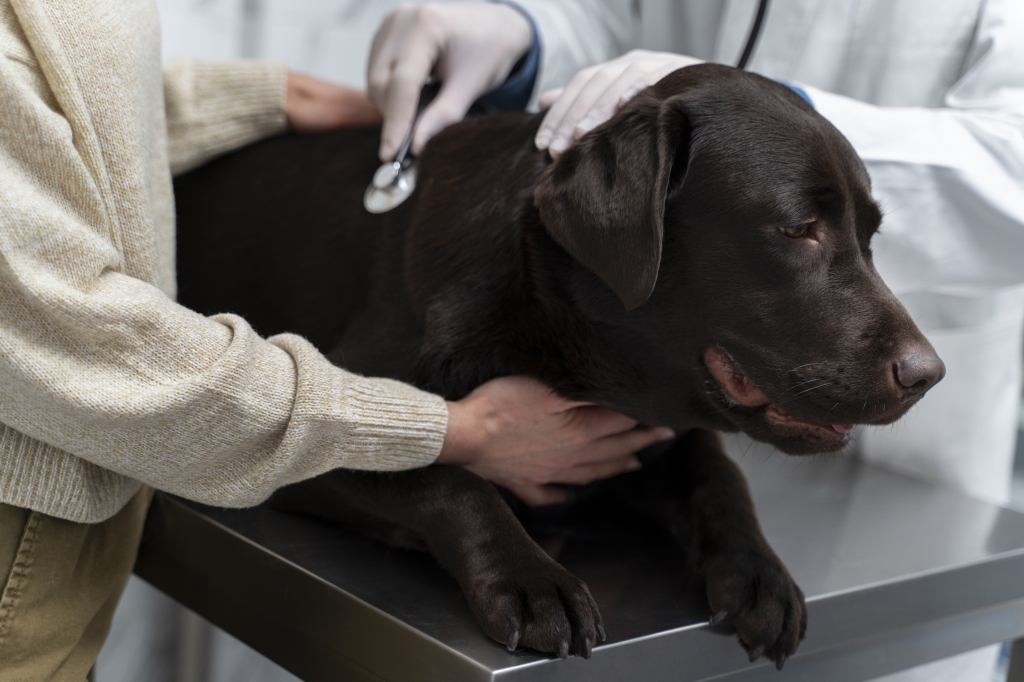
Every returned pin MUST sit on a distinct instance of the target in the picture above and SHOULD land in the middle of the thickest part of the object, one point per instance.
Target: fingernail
(666, 434)
(543, 139)
(633, 465)
(559, 144)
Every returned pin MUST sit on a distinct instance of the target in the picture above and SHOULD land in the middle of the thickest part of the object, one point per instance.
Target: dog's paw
(754, 593)
(539, 605)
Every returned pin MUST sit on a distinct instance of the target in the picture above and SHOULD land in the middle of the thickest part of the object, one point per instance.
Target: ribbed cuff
(349, 421)
(215, 107)
(40, 477)
(406, 425)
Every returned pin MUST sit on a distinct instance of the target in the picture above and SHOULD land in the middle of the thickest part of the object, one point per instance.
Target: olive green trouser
(62, 582)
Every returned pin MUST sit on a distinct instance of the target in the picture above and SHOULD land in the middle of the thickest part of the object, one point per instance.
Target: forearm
(126, 379)
(575, 34)
(951, 183)
(214, 107)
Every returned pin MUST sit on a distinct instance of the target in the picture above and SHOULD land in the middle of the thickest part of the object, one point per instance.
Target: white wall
(326, 38)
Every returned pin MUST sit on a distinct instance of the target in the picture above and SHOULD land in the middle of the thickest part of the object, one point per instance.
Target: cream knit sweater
(105, 382)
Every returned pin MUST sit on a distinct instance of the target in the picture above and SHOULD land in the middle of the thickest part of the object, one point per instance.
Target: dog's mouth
(757, 411)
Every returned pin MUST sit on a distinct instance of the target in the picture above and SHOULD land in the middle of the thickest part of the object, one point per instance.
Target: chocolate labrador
(701, 261)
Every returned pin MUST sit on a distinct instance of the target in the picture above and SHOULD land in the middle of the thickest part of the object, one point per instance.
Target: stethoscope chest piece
(395, 186)
(396, 180)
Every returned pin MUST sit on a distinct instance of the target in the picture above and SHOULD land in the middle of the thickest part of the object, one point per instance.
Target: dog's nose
(918, 370)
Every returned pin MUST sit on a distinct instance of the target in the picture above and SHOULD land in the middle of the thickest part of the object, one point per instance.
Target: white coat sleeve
(575, 34)
(950, 180)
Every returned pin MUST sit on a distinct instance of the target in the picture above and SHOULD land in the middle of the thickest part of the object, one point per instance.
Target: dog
(700, 261)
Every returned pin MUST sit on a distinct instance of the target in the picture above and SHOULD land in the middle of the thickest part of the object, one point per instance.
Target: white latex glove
(470, 47)
(596, 93)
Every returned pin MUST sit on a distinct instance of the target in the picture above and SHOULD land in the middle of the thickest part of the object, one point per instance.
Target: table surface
(896, 572)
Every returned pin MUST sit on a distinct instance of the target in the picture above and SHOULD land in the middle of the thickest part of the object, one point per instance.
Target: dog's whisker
(798, 385)
(803, 393)
(807, 365)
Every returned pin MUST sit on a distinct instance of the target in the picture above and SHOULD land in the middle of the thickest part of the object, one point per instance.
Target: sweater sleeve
(108, 368)
(215, 107)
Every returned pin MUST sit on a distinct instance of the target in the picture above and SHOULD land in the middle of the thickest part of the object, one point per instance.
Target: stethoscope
(396, 180)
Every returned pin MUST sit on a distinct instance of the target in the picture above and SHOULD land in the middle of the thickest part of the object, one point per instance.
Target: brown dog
(701, 261)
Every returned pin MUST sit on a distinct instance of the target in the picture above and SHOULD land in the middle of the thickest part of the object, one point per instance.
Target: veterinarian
(108, 389)
(930, 93)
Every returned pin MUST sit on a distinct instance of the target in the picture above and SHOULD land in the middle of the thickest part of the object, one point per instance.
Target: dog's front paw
(537, 604)
(753, 591)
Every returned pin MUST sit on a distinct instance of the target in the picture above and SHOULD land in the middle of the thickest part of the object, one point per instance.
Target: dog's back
(277, 233)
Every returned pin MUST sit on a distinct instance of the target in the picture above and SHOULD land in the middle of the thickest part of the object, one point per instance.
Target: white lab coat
(931, 95)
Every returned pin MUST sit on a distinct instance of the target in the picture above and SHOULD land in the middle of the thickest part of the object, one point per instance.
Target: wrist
(463, 440)
(515, 92)
(519, 26)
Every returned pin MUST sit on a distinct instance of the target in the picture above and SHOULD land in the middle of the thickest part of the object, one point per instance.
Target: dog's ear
(603, 200)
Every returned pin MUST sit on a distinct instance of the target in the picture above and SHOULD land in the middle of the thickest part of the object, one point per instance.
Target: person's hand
(596, 93)
(313, 105)
(516, 432)
(470, 47)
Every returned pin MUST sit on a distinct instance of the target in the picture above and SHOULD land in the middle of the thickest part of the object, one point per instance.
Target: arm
(214, 107)
(103, 365)
(575, 34)
(951, 180)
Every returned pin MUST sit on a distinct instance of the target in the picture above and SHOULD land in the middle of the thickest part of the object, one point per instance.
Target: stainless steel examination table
(896, 573)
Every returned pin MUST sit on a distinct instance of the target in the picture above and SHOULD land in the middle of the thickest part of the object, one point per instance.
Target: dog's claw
(513, 640)
(563, 650)
(717, 618)
(587, 648)
(601, 634)
(756, 652)
(780, 661)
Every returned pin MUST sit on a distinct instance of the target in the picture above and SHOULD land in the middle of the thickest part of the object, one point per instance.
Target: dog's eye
(797, 231)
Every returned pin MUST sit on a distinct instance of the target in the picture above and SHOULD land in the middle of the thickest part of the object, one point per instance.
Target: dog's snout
(918, 370)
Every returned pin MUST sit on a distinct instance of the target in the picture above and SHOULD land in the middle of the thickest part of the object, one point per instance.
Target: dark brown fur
(606, 274)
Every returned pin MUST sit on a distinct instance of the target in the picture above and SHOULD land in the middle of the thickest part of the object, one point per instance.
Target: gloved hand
(516, 432)
(470, 47)
(596, 93)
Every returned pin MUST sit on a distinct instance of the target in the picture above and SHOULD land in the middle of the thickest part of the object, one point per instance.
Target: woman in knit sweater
(108, 387)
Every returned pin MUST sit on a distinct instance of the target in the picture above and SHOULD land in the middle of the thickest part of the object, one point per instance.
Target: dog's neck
(517, 303)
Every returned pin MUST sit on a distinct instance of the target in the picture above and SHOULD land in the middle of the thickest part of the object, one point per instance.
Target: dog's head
(725, 226)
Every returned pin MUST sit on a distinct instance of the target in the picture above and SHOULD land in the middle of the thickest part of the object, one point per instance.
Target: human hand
(471, 48)
(514, 431)
(596, 93)
(313, 105)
